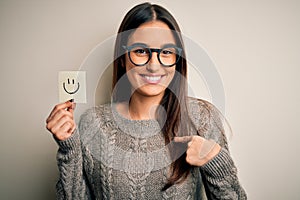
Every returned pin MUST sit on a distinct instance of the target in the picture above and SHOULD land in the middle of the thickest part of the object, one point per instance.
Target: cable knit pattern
(111, 157)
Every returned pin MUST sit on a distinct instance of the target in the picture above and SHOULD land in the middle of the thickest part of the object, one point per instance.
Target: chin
(151, 91)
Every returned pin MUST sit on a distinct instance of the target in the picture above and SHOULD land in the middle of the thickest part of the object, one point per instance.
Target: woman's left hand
(199, 150)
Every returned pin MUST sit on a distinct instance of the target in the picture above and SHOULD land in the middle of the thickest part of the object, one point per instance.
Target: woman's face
(153, 78)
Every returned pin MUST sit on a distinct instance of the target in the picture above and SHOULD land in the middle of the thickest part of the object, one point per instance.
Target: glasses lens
(139, 55)
(168, 56)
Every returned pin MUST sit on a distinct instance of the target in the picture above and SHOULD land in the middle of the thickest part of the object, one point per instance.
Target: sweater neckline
(137, 128)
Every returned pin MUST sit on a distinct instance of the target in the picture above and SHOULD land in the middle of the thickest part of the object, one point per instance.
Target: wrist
(69, 143)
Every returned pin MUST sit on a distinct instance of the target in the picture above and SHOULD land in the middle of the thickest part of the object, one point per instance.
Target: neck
(143, 107)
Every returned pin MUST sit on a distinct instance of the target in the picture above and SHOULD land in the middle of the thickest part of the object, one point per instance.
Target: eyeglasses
(140, 54)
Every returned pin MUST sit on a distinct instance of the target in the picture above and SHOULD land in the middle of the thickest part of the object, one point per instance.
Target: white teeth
(152, 78)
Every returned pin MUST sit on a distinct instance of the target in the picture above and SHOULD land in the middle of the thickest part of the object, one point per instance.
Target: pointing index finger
(183, 139)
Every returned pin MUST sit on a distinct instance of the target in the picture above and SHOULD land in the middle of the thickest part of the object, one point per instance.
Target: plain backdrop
(255, 46)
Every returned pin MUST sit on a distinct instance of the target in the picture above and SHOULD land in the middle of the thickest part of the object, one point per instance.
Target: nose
(153, 64)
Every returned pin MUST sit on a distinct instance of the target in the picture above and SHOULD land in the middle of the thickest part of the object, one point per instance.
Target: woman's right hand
(61, 120)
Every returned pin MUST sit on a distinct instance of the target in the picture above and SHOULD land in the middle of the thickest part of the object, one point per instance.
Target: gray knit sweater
(111, 157)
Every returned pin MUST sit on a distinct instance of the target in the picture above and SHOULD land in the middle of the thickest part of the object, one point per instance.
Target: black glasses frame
(158, 51)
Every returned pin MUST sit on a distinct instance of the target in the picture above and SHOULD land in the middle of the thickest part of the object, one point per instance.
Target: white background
(254, 44)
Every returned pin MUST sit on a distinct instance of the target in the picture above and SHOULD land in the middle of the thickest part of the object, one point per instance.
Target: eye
(140, 51)
(168, 52)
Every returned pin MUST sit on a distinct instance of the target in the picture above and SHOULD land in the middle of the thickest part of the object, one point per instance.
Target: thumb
(72, 107)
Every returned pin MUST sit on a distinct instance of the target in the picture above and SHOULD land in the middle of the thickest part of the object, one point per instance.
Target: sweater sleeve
(220, 174)
(72, 183)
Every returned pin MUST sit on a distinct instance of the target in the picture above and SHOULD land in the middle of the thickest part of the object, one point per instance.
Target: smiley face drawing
(73, 83)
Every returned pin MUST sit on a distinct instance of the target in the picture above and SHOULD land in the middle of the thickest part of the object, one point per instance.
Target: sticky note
(72, 85)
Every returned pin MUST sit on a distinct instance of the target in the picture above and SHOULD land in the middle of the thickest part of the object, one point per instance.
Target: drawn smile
(73, 82)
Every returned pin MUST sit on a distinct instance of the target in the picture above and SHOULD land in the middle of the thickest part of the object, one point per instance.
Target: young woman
(152, 141)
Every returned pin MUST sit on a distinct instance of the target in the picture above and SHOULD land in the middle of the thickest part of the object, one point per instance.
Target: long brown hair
(174, 99)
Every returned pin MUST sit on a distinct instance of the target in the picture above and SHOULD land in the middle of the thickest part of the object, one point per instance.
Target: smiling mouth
(152, 79)
(71, 92)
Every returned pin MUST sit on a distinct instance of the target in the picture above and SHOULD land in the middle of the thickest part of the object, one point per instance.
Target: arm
(72, 183)
(220, 174)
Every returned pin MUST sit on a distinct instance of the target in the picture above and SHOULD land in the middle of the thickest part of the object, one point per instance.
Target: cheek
(171, 73)
(132, 74)
(131, 68)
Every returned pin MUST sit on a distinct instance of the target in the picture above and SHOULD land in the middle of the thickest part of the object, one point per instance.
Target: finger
(67, 127)
(60, 114)
(59, 119)
(183, 139)
(72, 129)
(61, 128)
(72, 108)
(64, 119)
(64, 131)
(206, 147)
(59, 107)
(56, 110)
(62, 106)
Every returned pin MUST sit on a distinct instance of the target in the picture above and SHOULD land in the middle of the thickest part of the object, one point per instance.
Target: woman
(152, 141)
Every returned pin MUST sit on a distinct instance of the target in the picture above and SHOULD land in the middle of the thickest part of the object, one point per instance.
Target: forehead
(154, 34)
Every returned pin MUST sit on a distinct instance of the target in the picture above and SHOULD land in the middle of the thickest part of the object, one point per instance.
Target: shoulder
(93, 122)
(202, 109)
(95, 114)
(207, 119)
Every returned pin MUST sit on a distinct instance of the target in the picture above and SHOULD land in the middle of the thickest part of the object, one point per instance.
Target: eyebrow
(145, 45)
(139, 44)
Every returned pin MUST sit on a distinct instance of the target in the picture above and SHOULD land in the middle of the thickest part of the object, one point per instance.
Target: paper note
(72, 85)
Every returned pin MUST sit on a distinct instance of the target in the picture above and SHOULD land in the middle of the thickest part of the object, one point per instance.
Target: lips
(153, 79)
